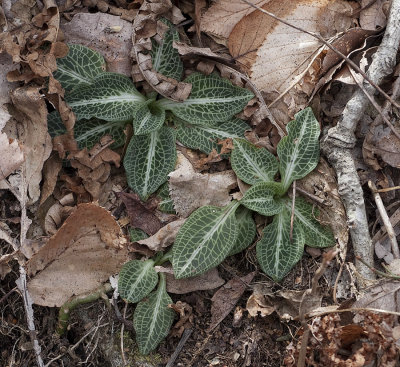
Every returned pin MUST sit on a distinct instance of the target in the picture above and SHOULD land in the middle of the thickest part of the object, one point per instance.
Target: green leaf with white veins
(298, 152)
(276, 254)
(205, 137)
(111, 97)
(305, 216)
(79, 67)
(252, 164)
(264, 198)
(212, 99)
(149, 159)
(204, 240)
(165, 57)
(149, 117)
(136, 280)
(88, 132)
(246, 230)
(153, 318)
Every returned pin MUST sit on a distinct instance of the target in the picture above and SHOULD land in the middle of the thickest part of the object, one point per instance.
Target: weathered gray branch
(340, 141)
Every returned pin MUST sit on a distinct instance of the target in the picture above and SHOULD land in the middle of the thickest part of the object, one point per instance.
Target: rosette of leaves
(103, 102)
(211, 234)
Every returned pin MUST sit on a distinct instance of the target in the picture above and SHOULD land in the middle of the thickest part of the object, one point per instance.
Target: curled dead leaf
(190, 190)
(11, 156)
(85, 251)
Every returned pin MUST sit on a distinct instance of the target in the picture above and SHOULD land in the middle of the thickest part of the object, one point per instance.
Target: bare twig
(328, 256)
(341, 139)
(381, 273)
(385, 219)
(124, 362)
(264, 108)
(373, 102)
(184, 338)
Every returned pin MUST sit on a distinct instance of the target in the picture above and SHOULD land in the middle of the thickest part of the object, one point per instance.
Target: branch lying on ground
(340, 140)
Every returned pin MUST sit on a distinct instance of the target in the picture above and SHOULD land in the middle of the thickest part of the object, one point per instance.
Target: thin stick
(124, 362)
(311, 196)
(185, 337)
(327, 44)
(385, 219)
(381, 273)
(328, 256)
(292, 215)
(384, 118)
(388, 189)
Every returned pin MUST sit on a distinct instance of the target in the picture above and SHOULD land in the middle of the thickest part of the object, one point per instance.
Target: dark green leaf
(111, 97)
(315, 234)
(205, 137)
(275, 252)
(204, 240)
(246, 230)
(79, 67)
(148, 118)
(264, 198)
(252, 164)
(136, 280)
(148, 161)
(165, 57)
(298, 152)
(153, 318)
(212, 99)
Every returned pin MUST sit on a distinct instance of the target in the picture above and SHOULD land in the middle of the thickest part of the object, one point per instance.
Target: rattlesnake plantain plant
(105, 102)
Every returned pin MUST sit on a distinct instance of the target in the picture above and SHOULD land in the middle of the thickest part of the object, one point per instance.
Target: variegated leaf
(298, 152)
(212, 99)
(79, 67)
(205, 137)
(276, 253)
(264, 198)
(246, 230)
(111, 97)
(204, 240)
(153, 318)
(253, 164)
(149, 159)
(136, 280)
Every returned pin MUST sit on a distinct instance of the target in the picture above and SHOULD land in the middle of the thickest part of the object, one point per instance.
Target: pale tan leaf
(86, 250)
(275, 54)
(373, 16)
(208, 280)
(31, 112)
(223, 15)
(190, 190)
(11, 156)
(164, 237)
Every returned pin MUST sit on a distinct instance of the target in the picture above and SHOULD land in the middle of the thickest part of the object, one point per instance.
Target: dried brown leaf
(11, 156)
(86, 250)
(140, 216)
(373, 16)
(164, 237)
(31, 113)
(190, 190)
(225, 299)
(206, 281)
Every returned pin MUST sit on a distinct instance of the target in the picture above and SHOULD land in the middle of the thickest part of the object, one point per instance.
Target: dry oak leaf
(190, 190)
(86, 250)
(274, 54)
(11, 156)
